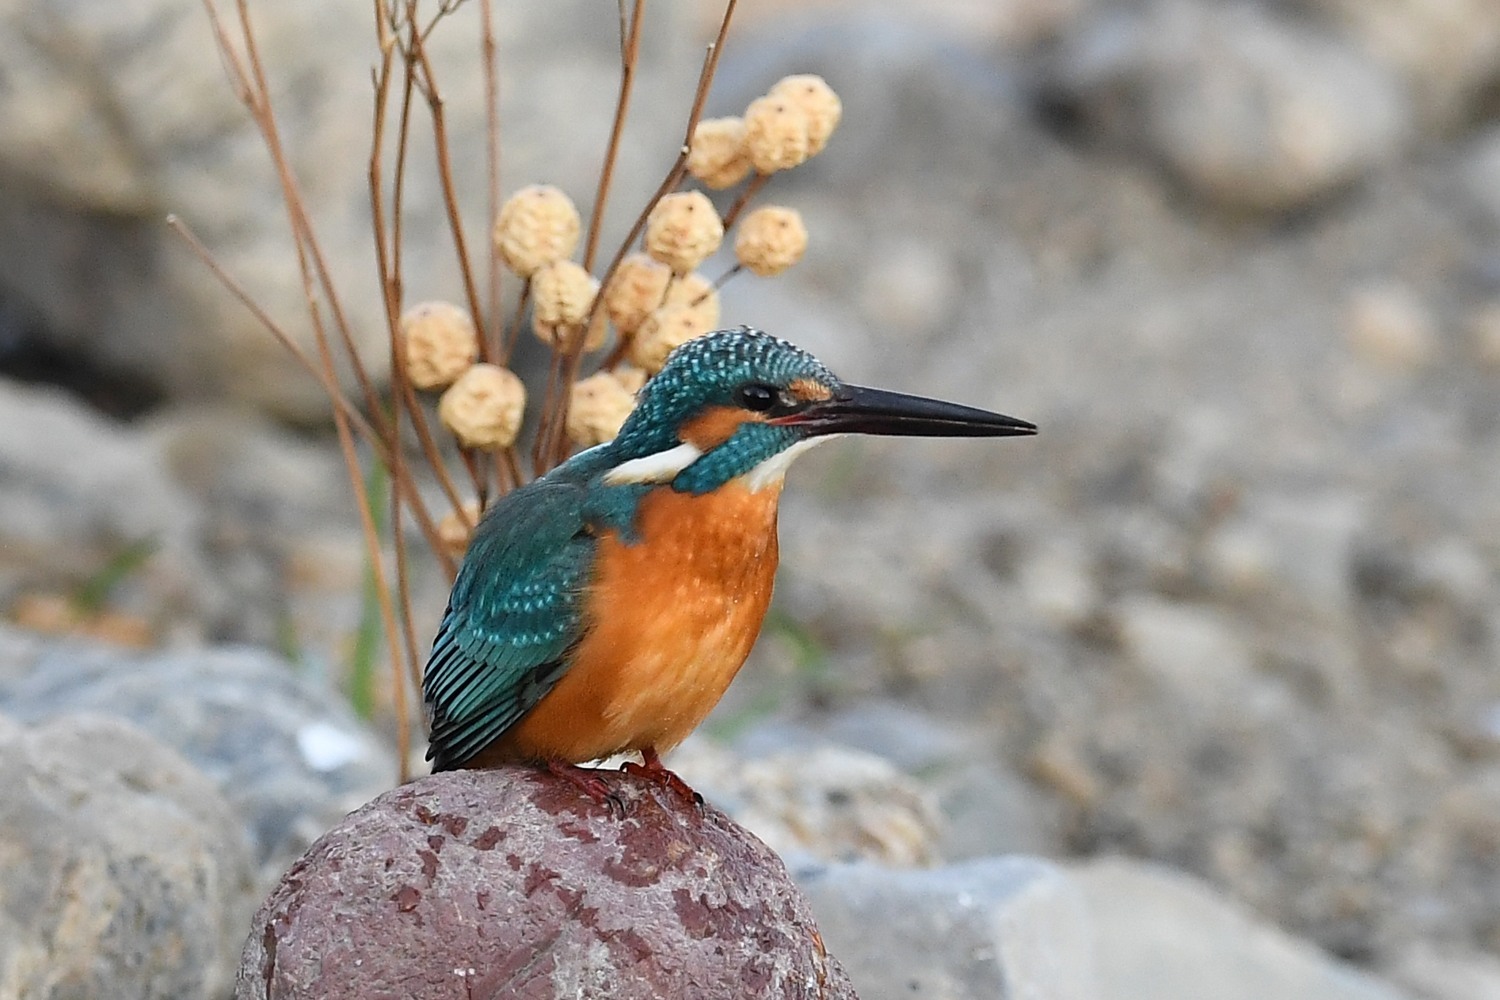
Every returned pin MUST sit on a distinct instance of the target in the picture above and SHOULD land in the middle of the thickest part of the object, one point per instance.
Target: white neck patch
(771, 471)
(661, 467)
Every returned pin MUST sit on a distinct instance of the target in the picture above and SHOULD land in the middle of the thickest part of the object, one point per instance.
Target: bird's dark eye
(757, 396)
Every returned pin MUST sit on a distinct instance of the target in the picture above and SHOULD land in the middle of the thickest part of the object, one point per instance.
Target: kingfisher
(606, 606)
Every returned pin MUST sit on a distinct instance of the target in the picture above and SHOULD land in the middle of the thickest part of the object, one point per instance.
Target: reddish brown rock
(514, 883)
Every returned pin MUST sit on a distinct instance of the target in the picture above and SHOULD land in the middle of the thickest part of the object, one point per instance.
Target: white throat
(771, 471)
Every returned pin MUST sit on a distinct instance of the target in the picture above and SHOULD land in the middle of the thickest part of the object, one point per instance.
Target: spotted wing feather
(514, 615)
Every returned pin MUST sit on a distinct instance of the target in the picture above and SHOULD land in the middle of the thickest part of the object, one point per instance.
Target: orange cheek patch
(714, 426)
(808, 390)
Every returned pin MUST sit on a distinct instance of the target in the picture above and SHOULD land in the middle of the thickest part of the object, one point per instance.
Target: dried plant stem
(492, 169)
(552, 441)
(629, 55)
(248, 77)
(750, 191)
(330, 384)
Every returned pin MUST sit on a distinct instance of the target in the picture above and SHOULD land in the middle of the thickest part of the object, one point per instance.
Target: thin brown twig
(427, 84)
(488, 52)
(296, 207)
(305, 245)
(330, 386)
(552, 441)
(629, 57)
(750, 191)
(388, 244)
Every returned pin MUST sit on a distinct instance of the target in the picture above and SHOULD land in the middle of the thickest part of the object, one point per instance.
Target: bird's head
(740, 403)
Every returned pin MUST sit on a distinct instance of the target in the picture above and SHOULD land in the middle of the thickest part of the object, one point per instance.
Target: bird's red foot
(586, 781)
(653, 770)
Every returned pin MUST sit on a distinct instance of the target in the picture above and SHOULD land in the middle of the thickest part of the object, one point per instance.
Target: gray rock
(985, 807)
(1447, 50)
(116, 117)
(515, 883)
(64, 520)
(1010, 928)
(1160, 935)
(1299, 547)
(823, 801)
(1192, 652)
(1249, 109)
(284, 750)
(1435, 973)
(123, 872)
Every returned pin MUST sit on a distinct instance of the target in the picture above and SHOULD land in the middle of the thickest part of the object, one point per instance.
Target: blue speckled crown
(705, 372)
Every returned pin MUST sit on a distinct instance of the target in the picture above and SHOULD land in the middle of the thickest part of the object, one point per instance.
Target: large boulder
(517, 883)
(123, 872)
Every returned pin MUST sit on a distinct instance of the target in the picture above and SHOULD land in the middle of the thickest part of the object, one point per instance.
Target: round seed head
(697, 292)
(440, 343)
(819, 104)
(598, 408)
(537, 225)
(717, 155)
(561, 294)
(664, 331)
(456, 527)
(776, 135)
(683, 230)
(483, 408)
(638, 286)
(770, 240)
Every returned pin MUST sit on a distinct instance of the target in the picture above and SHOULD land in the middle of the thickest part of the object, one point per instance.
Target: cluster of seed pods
(656, 300)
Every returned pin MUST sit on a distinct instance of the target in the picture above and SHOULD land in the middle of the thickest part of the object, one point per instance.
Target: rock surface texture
(515, 883)
(123, 873)
(285, 752)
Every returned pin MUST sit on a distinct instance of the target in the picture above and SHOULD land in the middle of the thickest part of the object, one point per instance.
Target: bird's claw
(654, 771)
(586, 781)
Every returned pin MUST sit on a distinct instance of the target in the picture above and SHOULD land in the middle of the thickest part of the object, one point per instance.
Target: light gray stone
(1161, 935)
(285, 751)
(1249, 109)
(1193, 652)
(1447, 50)
(76, 489)
(826, 801)
(123, 872)
(999, 929)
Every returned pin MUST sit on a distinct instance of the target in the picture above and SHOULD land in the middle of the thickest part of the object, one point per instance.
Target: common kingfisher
(606, 606)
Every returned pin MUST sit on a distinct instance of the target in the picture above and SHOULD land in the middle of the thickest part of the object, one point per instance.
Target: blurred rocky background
(1221, 645)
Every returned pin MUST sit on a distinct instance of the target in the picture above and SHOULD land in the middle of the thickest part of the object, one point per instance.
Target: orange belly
(671, 620)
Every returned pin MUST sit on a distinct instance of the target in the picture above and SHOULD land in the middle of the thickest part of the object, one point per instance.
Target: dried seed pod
(717, 154)
(639, 285)
(483, 408)
(440, 343)
(820, 105)
(776, 136)
(697, 291)
(536, 226)
(455, 529)
(561, 294)
(664, 330)
(770, 240)
(631, 378)
(598, 408)
(566, 334)
(683, 230)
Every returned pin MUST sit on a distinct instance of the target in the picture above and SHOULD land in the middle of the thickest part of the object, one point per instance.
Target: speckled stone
(515, 883)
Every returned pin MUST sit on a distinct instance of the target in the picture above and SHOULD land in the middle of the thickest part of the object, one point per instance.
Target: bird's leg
(586, 781)
(652, 769)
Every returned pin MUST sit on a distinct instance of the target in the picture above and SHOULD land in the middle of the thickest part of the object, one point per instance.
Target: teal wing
(514, 615)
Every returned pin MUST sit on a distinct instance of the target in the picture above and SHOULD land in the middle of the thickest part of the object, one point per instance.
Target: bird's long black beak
(854, 409)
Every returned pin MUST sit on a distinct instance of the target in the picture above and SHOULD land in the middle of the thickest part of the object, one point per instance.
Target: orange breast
(672, 619)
